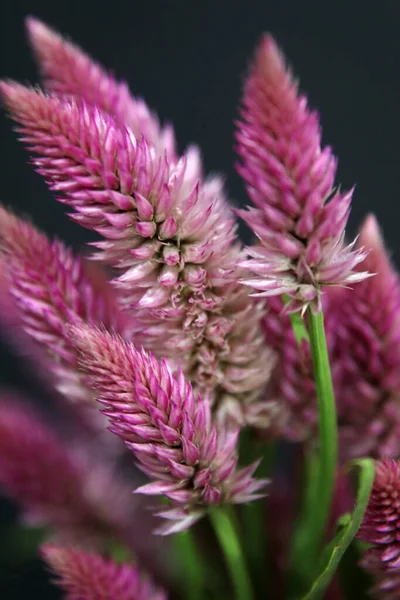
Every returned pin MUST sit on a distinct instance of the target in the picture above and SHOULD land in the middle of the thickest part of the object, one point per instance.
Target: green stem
(320, 469)
(223, 521)
(254, 514)
(191, 563)
(327, 456)
(300, 565)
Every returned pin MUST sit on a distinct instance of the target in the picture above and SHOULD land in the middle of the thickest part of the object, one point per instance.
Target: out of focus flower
(168, 430)
(386, 582)
(54, 289)
(69, 72)
(298, 217)
(380, 528)
(91, 577)
(366, 357)
(381, 522)
(59, 486)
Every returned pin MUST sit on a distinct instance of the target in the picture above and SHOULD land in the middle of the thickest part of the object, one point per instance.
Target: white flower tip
(35, 27)
(370, 233)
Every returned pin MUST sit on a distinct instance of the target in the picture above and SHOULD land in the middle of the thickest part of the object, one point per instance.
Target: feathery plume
(381, 521)
(53, 289)
(171, 235)
(298, 216)
(168, 430)
(86, 576)
(56, 486)
(69, 72)
(366, 357)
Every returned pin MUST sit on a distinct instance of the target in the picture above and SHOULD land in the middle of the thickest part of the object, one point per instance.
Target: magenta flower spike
(53, 289)
(386, 582)
(68, 71)
(121, 189)
(298, 217)
(168, 430)
(84, 576)
(366, 358)
(172, 236)
(59, 485)
(382, 518)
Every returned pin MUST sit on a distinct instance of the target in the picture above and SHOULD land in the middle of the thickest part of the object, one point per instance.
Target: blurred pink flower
(366, 357)
(58, 484)
(382, 518)
(386, 582)
(91, 577)
(54, 289)
(380, 528)
(69, 72)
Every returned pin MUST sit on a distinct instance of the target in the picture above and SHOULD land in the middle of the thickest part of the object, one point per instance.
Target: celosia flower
(168, 430)
(122, 190)
(60, 485)
(299, 218)
(13, 333)
(366, 357)
(171, 235)
(91, 577)
(53, 289)
(386, 582)
(69, 72)
(381, 521)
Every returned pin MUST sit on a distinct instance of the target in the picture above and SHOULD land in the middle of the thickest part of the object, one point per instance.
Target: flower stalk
(223, 522)
(195, 568)
(320, 499)
(326, 470)
(320, 468)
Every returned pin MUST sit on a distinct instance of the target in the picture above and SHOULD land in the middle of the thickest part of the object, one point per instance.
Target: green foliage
(348, 526)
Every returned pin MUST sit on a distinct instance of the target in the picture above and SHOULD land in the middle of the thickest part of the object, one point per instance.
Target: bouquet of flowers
(257, 389)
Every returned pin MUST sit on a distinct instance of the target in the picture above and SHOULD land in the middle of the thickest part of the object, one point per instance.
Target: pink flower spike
(58, 484)
(299, 219)
(53, 289)
(69, 72)
(132, 382)
(197, 314)
(86, 576)
(382, 518)
(366, 358)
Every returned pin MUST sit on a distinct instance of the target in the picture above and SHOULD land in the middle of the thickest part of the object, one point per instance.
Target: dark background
(187, 59)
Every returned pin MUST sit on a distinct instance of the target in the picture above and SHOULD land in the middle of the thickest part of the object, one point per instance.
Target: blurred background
(187, 59)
